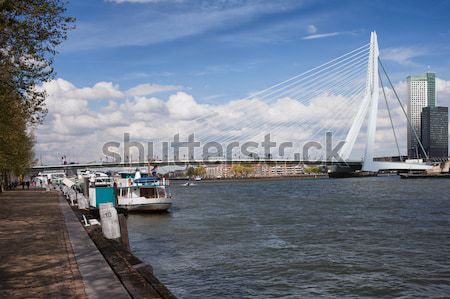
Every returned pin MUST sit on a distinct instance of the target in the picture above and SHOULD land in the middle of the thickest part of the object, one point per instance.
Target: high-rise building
(434, 134)
(421, 93)
(431, 88)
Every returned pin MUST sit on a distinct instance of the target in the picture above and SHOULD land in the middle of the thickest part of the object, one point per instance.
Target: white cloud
(312, 29)
(100, 91)
(183, 106)
(442, 92)
(402, 55)
(329, 34)
(78, 129)
(147, 89)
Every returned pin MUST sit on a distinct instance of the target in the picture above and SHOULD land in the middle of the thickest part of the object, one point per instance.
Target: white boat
(102, 181)
(91, 174)
(53, 177)
(147, 194)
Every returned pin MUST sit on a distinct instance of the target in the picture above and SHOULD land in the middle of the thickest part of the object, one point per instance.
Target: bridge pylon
(369, 108)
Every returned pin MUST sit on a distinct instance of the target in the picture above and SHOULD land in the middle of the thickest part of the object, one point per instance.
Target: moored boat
(144, 194)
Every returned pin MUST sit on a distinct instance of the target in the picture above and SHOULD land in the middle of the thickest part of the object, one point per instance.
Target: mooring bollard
(124, 231)
(82, 202)
(109, 221)
(72, 196)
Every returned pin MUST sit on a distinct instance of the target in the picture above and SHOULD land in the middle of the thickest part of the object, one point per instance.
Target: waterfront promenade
(46, 253)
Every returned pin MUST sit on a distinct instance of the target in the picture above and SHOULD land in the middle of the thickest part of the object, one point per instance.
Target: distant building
(434, 134)
(258, 170)
(264, 170)
(421, 93)
(218, 171)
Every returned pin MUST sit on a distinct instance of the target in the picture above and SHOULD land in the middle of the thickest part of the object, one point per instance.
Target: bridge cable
(390, 116)
(347, 63)
(304, 73)
(306, 100)
(316, 92)
(286, 123)
(404, 111)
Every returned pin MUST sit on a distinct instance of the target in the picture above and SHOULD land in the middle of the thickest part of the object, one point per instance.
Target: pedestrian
(28, 184)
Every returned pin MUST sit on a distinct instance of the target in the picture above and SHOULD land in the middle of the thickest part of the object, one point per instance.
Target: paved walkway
(98, 277)
(36, 255)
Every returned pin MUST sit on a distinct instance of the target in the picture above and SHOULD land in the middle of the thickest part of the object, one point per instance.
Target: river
(291, 238)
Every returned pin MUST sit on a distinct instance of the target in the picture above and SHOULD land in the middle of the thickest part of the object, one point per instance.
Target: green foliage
(198, 171)
(190, 171)
(30, 31)
(16, 146)
(241, 170)
(312, 170)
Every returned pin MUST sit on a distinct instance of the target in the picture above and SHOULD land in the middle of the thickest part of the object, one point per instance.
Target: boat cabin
(147, 191)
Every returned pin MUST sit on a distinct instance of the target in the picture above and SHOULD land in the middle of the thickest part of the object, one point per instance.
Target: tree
(190, 172)
(198, 171)
(16, 146)
(312, 170)
(241, 170)
(30, 31)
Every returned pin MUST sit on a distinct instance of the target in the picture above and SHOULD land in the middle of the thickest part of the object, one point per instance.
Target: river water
(292, 238)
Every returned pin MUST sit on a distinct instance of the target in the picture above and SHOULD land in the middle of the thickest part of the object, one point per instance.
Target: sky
(160, 65)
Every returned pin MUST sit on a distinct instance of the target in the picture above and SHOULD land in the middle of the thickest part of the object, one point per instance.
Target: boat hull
(148, 207)
(143, 204)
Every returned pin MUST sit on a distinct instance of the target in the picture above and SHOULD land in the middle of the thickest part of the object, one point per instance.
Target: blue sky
(222, 50)
(155, 68)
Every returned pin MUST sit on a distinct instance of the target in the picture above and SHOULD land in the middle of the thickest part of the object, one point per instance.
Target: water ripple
(349, 238)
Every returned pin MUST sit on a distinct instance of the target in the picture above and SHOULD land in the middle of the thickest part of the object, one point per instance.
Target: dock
(425, 175)
(45, 252)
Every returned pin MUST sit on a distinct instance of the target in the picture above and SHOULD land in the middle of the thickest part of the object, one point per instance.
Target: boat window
(148, 192)
(161, 192)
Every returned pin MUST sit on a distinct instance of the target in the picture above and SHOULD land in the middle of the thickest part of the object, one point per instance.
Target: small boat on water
(145, 194)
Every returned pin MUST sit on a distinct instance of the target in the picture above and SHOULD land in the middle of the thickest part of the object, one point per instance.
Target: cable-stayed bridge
(294, 121)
